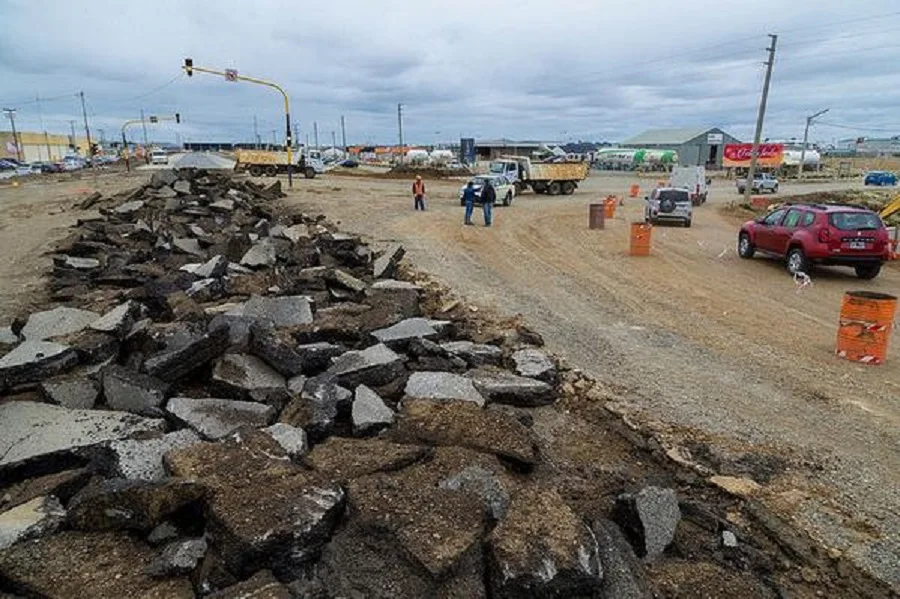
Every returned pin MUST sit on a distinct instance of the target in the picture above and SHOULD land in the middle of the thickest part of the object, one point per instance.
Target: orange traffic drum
(867, 319)
(609, 205)
(634, 191)
(641, 233)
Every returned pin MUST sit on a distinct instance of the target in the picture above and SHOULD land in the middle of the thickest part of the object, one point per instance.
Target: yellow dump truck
(268, 163)
(552, 178)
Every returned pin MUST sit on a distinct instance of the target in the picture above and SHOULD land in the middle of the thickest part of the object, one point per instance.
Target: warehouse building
(29, 146)
(489, 149)
(701, 147)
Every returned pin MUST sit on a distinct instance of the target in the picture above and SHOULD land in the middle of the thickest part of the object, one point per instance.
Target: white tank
(442, 156)
(792, 157)
(417, 156)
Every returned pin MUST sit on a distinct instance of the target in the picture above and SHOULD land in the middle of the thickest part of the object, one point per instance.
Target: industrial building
(489, 149)
(701, 147)
(40, 147)
(869, 146)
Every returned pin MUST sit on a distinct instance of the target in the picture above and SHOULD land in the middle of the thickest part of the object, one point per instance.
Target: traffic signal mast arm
(189, 69)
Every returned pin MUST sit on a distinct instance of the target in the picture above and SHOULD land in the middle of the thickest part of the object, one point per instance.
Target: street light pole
(809, 121)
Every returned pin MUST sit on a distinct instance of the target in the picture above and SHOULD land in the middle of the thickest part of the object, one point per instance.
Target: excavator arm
(891, 208)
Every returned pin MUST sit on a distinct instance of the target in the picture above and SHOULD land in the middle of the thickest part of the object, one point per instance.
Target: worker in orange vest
(418, 190)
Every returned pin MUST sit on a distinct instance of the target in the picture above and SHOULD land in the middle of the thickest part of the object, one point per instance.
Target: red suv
(806, 234)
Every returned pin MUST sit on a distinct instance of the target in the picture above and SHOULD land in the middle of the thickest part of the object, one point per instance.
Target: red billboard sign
(739, 155)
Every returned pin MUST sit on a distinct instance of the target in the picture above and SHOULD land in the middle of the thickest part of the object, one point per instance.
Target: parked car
(8, 165)
(348, 163)
(49, 167)
(28, 169)
(669, 204)
(761, 182)
(807, 234)
(692, 178)
(72, 163)
(503, 187)
(880, 178)
(159, 157)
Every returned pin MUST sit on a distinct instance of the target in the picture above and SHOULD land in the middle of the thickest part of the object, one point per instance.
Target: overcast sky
(523, 69)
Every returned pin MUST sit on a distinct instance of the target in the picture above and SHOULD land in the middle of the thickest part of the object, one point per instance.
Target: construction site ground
(726, 361)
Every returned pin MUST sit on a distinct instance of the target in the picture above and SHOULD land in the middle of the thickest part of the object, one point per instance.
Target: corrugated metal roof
(666, 136)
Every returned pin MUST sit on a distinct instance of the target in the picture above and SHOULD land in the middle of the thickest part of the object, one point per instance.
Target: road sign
(231, 74)
(153, 119)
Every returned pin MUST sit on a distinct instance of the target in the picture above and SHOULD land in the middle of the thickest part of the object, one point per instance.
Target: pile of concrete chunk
(227, 401)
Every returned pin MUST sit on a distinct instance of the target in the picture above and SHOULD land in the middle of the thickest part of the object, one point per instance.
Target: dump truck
(551, 178)
(268, 163)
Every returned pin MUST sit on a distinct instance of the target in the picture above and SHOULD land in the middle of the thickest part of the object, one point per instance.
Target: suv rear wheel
(796, 261)
(868, 271)
(745, 246)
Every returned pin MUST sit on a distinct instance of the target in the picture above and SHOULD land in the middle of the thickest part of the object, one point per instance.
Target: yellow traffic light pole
(189, 68)
(153, 119)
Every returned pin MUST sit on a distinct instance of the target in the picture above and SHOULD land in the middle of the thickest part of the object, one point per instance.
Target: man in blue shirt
(469, 200)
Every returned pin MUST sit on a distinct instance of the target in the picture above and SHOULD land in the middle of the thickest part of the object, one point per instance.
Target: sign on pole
(231, 75)
(153, 119)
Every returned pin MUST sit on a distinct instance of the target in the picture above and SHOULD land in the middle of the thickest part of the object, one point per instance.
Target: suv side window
(774, 218)
(808, 219)
(791, 220)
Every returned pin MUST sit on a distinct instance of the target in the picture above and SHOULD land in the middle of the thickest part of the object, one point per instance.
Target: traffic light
(178, 118)
(189, 66)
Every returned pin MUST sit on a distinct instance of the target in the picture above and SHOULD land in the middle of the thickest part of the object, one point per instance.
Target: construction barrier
(760, 202)
(634, 191)
(609, 205)
(596, 216)
(865, 326)
(641, 233)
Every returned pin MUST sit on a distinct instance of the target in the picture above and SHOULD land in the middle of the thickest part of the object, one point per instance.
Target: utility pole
(274, 139)
(297, 133)
(400, 128)
(72, 127)
(343, 134)
(809, 121)
(11, 114)
(255, 132)
(316, 133)
(102, 136)
(87, 130)
(333, 141)
(748, 188)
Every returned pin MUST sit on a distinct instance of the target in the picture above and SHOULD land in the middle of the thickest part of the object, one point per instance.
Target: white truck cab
(692, 178)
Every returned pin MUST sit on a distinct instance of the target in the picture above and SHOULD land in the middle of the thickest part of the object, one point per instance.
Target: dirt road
(723, 357)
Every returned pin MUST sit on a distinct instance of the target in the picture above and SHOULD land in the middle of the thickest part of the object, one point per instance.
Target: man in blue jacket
(469, 201)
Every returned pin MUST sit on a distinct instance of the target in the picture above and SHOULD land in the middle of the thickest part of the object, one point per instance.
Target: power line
(860, 128)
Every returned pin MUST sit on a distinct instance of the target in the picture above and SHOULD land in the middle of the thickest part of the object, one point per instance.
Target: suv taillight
(824, 235)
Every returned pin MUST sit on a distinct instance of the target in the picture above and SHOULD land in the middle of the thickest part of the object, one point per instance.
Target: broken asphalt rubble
(246, 402)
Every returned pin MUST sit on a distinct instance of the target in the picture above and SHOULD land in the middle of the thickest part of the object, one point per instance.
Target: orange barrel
(609, 206)
(640, 238)
(865, 326)
(634, 191)
(596, 216)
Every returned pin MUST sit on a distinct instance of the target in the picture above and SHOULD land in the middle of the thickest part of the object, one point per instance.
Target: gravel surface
(722, 357)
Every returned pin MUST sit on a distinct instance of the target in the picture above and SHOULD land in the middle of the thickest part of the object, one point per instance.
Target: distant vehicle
(28, 169)
(269, 163)
(503, 187)
(7, 165)
(761, 182)
(50, 167)
(349, 163)
(72, 163)
(669, 204)
(692, 178)
(807, 234)
(543, 178)
(159, 157)
(880, 178)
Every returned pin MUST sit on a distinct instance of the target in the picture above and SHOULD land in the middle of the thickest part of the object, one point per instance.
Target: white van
(159, 157)
(692, 178)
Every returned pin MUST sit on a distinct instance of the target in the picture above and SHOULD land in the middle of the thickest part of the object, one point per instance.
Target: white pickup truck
(761, 182)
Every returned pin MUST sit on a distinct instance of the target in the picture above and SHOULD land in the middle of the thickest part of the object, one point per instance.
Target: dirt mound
(404, 171)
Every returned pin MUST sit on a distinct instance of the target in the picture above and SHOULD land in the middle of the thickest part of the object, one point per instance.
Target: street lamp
(809, 121)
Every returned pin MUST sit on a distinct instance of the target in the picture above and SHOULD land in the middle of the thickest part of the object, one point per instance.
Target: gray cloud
(525, 69)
